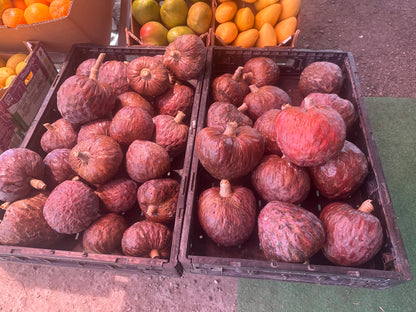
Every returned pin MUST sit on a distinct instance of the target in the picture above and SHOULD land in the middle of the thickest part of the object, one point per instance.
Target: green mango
(144, 11)
(173, 13)
(178, 31)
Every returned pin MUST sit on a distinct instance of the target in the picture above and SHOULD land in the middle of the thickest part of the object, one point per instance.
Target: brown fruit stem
(366, 206)
(37, 184)
(243, 108)
(5, 205)
(309, 103)
(94, 69)
(284, 106)
(231, 129)
(49, 126)
(179, 117)
(253, 88)
(172, 79)
(248, 76)
(225, 188)
(154, 254)
(238, 72)
(151, 209)
(179, 171)
(83, 156)
(146, 74)
(176, 55)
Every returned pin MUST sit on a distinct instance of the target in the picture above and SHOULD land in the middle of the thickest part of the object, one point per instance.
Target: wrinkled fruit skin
(147, 76)
(17, 167)
(220, 113)
(61, 134)
(71, 207)
(146, 160)
(103, 157)
(114, 73)
(226, 89)
(265, 125)
(228, 221)
(23, 224)
(185, 57)
(169, 134)
(118, 195)
(352, 237)
(80, 100)
(289, 233)
(131, 123)
(57, 167)
(261, 71)
(176, 98)
(309, 137)
(144, 236)
(93, 128)
(104, 235)
(322, 77)
(275, 178)
(158, 199)
(227, 157)
(342, 106)
(340, 176)
(84, 69)
(265, 98)
(132, 98)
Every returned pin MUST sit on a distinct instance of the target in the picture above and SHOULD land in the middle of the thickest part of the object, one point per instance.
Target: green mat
(393, 121)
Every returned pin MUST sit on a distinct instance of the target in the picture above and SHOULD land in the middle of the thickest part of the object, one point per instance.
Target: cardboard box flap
(87, 22)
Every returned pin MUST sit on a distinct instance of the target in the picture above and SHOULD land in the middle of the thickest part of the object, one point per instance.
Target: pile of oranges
(17, 12)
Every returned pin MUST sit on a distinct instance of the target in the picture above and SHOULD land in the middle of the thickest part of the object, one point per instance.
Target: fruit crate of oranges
(155, 23)
(256, 23)
(58, 24)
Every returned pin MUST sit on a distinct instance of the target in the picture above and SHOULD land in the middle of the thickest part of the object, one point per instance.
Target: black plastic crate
(69, 252)
(199, 254)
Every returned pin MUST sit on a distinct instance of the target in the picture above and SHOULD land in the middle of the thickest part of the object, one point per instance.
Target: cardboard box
(21, 101)
(87, 22)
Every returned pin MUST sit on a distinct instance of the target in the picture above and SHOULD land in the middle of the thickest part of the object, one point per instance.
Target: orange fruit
(20, 4)
(37, 12)
(13, 17)
(59, 8)
(227, 31)
(29, 2)
(5, 4)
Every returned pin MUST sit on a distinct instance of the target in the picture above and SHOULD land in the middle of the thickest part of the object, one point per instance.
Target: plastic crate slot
(353, 273)
(192, 182)
(184, 184)
(181, 213)
(236, 264)
(217, 269)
